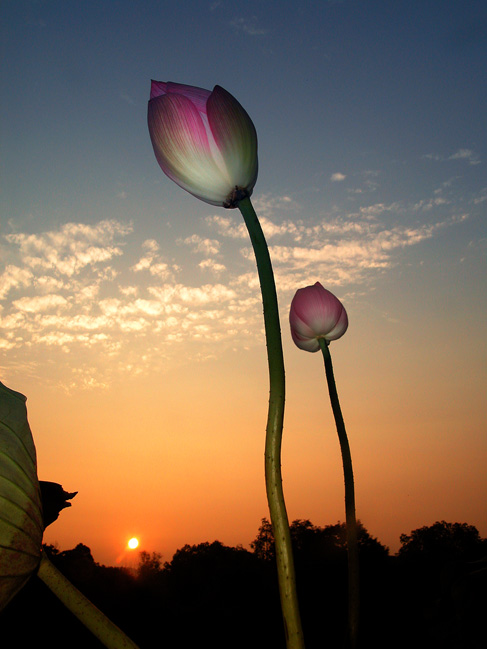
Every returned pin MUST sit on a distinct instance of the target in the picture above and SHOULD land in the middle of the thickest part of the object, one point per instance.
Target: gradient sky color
(130, 312)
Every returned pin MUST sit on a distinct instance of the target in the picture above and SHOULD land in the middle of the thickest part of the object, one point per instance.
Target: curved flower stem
(97, 622)
(351, 523)
(275, 418)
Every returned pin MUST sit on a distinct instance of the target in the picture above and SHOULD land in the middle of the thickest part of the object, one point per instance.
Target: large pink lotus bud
(316, 313)
(204, 141)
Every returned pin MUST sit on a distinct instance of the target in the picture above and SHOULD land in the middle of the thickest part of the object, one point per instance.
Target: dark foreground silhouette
(432, 594)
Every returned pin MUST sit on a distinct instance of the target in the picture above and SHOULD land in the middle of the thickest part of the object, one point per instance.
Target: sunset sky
(130, 312)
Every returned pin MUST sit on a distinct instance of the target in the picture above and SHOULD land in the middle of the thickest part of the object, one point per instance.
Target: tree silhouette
(329, 541)
(263, 544)
(78, 564)
(149, 565)
(443, 541)
(433, 594)
(227, 593)
(446, 580)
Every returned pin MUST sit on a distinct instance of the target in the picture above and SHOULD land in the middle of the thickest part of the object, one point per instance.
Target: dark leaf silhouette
(54, 499)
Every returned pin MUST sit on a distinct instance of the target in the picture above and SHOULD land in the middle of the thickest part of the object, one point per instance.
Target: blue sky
(372, 146)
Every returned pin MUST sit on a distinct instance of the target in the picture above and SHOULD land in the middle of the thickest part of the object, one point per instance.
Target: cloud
(70, 249)
(13, 277)
(128, 98)
(482, 196)
(267, 205)
(106, 319)
(351, 249)
(462, 154)
(248, 26)
(194, 296)
(348, 259)
(228, 226)
(430, 203)
(153, 262)
(147, 260)
(205, 246)
(40, 303)
(337, 177)
(212, 265)
(465, 154)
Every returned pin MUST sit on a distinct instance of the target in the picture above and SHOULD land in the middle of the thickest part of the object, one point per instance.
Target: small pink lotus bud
(204, 141)
(316, 313)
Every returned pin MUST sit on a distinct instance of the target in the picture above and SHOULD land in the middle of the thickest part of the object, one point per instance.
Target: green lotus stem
(275, 418)
(351, 522)
(104, 629)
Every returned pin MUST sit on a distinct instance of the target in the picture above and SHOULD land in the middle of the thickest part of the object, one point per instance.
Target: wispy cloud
(481, 197)
(343, 252)
(200, 245)
(127, 98)
(62, 291)
(368, 182)
(72, 248)
(40, 303)
(467, 155)
(12, 278)
(153, 262)
(146, 261)
(337, 177)
(267, 205)
(212, 265)
(228, 226)
(248, 26)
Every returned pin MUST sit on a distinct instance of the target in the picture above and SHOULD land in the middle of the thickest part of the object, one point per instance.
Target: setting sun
(133, 543)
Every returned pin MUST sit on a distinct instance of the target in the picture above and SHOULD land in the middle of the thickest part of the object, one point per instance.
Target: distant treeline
(432, 594)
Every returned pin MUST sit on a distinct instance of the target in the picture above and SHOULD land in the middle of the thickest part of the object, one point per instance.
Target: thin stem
(351, 523)
(275, 418)
(93, 619)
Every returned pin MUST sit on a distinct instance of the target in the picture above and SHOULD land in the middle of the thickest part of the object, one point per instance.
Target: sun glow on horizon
(133, 543)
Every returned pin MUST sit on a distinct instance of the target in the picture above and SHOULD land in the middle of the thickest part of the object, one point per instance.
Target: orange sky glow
(177, 457)
(130, 312)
